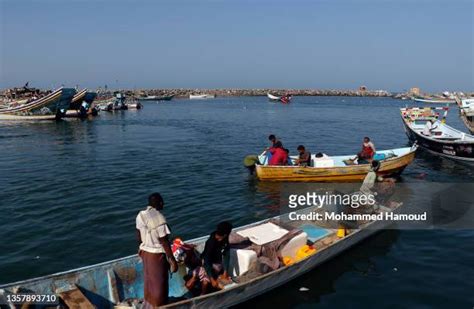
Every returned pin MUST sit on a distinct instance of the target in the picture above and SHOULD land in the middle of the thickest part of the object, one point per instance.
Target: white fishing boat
(434, 100)
(272, 97)
(201, 96)
(120, 282)
(443, 140)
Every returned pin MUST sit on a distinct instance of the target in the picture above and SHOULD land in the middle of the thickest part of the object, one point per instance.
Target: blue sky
(383, 44)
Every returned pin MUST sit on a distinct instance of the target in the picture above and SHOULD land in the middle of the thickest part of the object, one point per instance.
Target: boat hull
(350, 173)
(462, 151)
(52, 106)
(434, 101)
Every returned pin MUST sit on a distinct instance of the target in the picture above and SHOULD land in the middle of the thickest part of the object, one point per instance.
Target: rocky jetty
(258, 92)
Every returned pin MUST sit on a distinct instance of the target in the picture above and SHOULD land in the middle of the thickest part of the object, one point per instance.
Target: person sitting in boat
(304, 158)
(155, 251)
(278, 155)
(216, 255)
(367, 153)
(272, 138)
(429, 127)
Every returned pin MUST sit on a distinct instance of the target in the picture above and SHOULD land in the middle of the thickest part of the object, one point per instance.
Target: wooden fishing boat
(467, 116)
(120, 282)
(336, 168)
(434, 100)
(444, 140)
(157, 98)
(201, 96)
(50, 107)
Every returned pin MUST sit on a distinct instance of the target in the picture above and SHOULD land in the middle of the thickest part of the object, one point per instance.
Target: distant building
(362, 88)
(414, 91)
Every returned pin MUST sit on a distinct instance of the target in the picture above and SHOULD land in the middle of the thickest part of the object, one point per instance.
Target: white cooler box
(241, 261)
(323, 162)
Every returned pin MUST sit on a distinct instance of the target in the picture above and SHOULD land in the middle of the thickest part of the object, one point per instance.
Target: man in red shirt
(279, 155)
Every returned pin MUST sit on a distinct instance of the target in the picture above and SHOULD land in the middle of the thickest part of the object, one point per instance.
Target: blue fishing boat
(120, 282)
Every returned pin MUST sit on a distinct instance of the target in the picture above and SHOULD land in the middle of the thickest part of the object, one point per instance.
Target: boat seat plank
(75, 299)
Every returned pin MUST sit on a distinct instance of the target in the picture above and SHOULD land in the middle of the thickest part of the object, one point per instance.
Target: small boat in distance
(335, 168)
(434, 100)
(283, 99)
(157, 98)
(444, 140)
(120, 282)
(201, 96)
(52, 106)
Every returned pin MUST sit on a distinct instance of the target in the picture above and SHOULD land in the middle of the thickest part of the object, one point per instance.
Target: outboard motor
(250, 161)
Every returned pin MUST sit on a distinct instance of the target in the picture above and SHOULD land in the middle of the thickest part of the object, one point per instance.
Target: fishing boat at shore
(434, 100)
(157, 98)
(201, 96)
(443, 140)
(308, 243)
(115, 103)
(335, 168)
(52, 106)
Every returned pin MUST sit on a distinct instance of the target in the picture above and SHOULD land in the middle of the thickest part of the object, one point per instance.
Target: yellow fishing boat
(336, 168)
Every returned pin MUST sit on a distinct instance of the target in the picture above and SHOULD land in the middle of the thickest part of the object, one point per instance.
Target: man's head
(300, 149)
(223, 230)
(272, 138)
(156, 201)
(366, 139)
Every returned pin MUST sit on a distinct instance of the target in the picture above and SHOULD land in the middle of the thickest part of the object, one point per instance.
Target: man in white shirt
(429, 127)
(155, 251)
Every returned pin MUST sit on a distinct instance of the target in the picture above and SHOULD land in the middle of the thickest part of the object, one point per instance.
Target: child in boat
(216, 255)
(304, 158)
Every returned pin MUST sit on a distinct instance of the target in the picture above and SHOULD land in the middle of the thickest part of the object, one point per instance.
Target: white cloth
(152, 226)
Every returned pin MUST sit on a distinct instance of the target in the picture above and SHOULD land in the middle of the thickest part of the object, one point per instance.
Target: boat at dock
(201, 96)
(445, 140)
(120, 282)
(51, 106)
(82, 105)
(157, 98)
(335, 168)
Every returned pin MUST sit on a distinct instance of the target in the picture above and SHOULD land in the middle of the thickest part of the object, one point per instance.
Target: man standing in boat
(304, 157)
(155, 251)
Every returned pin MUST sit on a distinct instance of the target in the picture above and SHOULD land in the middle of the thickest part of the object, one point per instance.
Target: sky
(325, 44)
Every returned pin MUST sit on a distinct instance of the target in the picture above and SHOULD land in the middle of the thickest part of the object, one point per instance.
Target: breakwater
(258, 92)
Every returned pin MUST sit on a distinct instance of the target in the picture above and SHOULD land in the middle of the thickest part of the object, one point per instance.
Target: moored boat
(434, 100)
(272, 97)
(49, 107)
(82, 105)
(443, 140)
(157, 98)
(201, 96)
(120, 282)
(467, 117)
(336, 168)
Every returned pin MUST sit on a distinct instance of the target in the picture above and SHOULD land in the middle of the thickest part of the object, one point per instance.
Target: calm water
(71, 191)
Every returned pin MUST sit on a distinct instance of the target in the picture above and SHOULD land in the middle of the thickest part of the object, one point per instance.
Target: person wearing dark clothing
(216, 254)
(304, 158)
